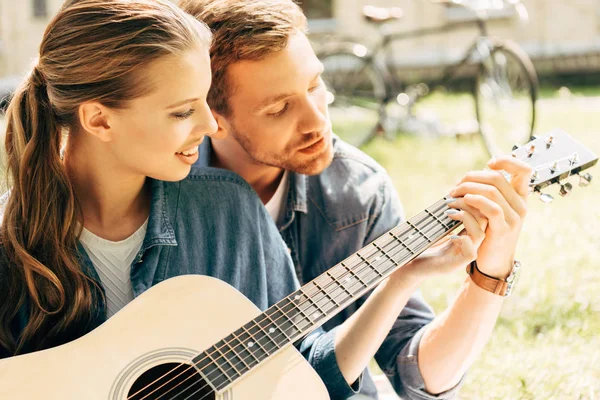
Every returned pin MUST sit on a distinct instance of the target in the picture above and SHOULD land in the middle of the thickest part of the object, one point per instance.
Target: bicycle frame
(478, 47)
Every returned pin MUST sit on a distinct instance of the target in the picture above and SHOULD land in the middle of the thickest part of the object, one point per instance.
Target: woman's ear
(94, 118)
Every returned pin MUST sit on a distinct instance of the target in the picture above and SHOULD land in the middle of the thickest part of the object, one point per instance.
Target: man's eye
(185, 115)
(280, 112)
(315, 87)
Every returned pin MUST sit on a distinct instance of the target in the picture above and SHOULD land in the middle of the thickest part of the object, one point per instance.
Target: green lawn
(546, 344)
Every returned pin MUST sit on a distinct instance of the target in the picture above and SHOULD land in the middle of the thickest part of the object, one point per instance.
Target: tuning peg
(574, 159)
(535, 176)
(565, 189)
(546, 198)
(515, 147)
(585, 179)
(533, 137)
(530, 150)
(549, 140)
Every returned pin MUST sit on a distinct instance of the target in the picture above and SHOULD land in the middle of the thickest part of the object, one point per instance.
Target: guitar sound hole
(172, 381)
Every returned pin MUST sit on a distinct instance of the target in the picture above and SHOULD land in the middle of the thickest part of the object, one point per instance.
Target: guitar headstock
(555, 157)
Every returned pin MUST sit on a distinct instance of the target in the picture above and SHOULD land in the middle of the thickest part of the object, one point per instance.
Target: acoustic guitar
(197, 338)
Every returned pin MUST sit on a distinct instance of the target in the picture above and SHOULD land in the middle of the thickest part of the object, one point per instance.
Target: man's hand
(451, 253)
(487, 194)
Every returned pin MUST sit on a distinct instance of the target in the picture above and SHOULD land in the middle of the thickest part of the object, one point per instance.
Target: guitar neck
(316, 302)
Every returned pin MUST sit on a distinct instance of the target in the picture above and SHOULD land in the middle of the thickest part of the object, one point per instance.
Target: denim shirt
(334, 214)
(213, 223)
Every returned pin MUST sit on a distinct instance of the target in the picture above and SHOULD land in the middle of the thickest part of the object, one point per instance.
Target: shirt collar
(160, 229)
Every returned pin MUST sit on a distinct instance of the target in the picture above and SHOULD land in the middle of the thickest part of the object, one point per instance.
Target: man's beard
(312, 166)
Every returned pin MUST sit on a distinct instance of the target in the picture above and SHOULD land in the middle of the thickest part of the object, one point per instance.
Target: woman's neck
(114, 202)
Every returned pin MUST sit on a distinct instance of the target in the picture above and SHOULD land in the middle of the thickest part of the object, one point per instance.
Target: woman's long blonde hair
(91, 50)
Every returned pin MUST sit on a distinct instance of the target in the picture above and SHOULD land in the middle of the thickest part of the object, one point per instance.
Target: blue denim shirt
(212, 223)
(334, 214)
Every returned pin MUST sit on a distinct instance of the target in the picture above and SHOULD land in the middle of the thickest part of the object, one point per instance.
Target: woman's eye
(280, 112)
(185, 115)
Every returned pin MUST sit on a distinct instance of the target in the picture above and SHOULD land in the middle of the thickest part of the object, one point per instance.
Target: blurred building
(560, 36)
(22, 24)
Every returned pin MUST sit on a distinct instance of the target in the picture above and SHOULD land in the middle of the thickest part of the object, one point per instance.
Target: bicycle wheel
(505, 94)
(356, 94)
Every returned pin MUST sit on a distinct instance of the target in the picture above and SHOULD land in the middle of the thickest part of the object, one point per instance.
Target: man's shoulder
(351, 173)
(351, 189)
(348, 156)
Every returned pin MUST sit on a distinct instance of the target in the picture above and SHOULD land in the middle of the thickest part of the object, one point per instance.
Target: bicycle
(367, 95)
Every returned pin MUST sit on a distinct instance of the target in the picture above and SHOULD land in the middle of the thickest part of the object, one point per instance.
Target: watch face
(513, 278)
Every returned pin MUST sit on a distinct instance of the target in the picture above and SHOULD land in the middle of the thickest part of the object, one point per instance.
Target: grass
(546, 344)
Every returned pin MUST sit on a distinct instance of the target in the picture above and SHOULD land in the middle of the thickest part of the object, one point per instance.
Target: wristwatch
(501, 287)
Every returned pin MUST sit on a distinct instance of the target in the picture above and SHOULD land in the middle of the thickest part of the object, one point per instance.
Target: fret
(318, 311)
(257, 341)
(385, 254)
(370, 265)
(233, 358)
(276, 334)
(336, 304)
(287, 320)
(340, 284)
(277, 327)
(432, 222)
(245, 355)
(437, 219)
(212, 370)
(353, 274)
(419, 231)
(232, 363)
(401, 242)
(303, 311)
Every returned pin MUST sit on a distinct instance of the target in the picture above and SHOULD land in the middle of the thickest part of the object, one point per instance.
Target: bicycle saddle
(380, 15)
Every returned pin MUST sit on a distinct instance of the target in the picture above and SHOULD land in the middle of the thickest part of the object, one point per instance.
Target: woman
(106, 73)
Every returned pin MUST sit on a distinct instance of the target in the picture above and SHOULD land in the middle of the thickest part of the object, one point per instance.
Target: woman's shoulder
(230, 180)
(217, 188)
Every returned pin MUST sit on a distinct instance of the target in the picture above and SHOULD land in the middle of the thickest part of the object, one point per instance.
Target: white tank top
(112, 261)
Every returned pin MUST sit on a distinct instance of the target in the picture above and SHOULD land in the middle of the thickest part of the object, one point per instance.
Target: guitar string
(346, 272)
(369, 272)
(372, 250)
(363, 286)
(369, 277)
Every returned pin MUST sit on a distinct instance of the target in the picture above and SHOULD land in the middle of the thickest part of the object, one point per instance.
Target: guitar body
(172, 322)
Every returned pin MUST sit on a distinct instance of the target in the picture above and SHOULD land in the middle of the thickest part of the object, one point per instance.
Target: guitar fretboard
(313, 304)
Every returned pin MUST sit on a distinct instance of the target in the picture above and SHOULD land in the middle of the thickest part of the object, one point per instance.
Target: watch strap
(497, 286)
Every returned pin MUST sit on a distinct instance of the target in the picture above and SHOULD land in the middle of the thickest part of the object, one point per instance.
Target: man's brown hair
(243, 30)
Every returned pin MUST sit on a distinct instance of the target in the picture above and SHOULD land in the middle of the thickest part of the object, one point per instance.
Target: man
(328, 199)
